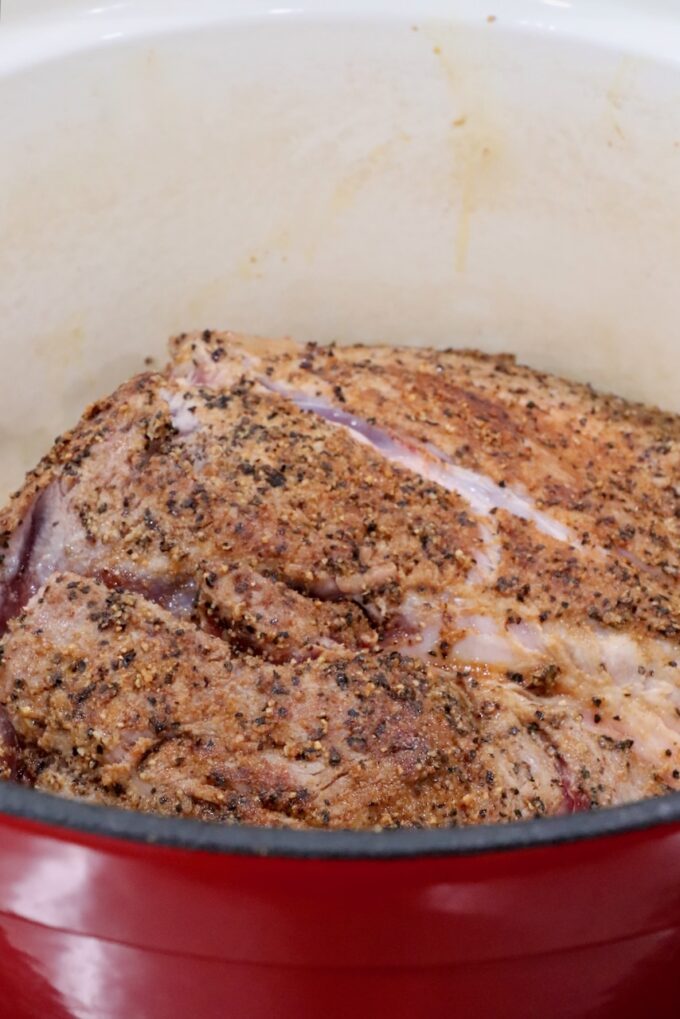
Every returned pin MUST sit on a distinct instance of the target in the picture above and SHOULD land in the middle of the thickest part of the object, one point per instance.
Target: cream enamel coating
(436, 177)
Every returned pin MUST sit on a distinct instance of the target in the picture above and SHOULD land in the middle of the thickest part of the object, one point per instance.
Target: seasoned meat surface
(166, 716)
(346, 587)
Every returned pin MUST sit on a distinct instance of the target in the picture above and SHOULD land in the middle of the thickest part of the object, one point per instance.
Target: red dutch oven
(107, 914)
(158, 175)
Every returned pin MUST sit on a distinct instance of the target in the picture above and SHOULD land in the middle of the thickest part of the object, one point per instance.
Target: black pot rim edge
(244, 840)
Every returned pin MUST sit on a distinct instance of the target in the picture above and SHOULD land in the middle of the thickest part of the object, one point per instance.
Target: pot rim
(245, 840)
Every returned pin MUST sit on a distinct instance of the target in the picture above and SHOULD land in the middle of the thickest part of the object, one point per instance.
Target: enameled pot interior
(444, 176)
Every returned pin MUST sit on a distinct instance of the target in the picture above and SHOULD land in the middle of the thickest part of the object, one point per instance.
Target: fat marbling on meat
(346, 587)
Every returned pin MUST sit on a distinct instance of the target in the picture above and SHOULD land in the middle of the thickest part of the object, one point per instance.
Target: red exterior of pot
(102, 928)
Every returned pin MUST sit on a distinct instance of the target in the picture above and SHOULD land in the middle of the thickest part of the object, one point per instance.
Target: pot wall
(101, 927)
(408, 173)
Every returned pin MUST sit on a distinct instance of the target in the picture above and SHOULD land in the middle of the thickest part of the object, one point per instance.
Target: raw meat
(360, 586)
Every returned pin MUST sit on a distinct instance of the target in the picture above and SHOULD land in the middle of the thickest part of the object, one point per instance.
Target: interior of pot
(503, 178)
(354, 173)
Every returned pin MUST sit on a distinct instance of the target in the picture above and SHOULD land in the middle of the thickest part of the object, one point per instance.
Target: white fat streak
(59, 531)
(481, 493)
(183, 420)
(486, 643)
(51, 549)
(485, 649)
(640, 666)
(12, 559)
(487, 557)
(484, 495)
(427, 618)
(529, 635)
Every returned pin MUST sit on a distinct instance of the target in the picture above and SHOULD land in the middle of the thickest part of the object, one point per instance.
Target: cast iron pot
(446, 169)
(106, 914)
